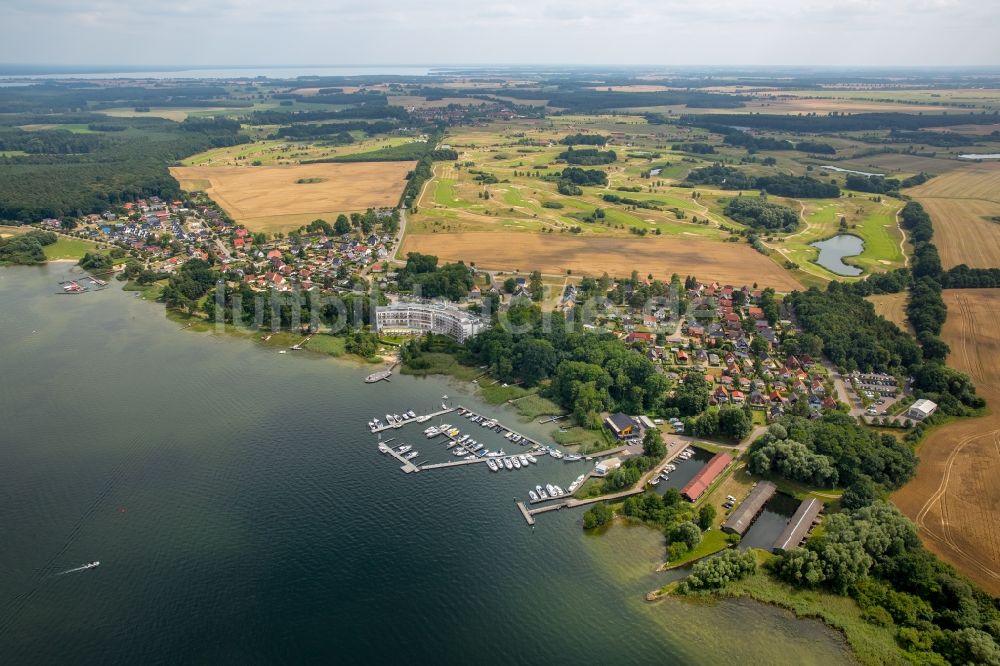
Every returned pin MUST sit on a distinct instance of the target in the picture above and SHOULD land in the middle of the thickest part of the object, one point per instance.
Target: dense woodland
(759, 213)
(731, 178)
(108, 169)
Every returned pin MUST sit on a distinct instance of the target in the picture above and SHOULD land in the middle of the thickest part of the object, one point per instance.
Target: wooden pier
(415, 419)
(527, 514)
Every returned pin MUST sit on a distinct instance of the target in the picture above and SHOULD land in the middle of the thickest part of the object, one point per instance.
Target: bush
(715, 572)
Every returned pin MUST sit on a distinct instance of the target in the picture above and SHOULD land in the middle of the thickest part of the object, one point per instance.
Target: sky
(135, 33)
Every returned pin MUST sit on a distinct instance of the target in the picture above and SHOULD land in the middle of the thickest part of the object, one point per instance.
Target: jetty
(381, 375)
(416, 419)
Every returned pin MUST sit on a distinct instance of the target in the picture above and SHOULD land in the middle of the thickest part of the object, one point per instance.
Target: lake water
(242, 515)
(771, 522)
(236, 72)
(833, 250)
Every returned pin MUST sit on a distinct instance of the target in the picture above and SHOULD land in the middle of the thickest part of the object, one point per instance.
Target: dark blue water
(242, 515)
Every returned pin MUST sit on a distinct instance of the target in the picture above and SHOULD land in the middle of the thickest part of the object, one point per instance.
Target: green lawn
(68, 248)
(327, 344)
(712, 541)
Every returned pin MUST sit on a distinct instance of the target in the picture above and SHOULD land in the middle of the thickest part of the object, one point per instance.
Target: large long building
(740, 520)
(440, 318)
(705, 477)
(798, 527)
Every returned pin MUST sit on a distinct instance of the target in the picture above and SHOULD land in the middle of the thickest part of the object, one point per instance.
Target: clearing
(965, 207)
(893, 308)
(271, 198)
(954, 498)
(555, 254)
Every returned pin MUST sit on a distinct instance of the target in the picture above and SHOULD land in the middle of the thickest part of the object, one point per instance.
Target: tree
(686, 533)
(652, 444)
(509, 285)
(342, 225)
(706, 516)
(536, 286)
(734, 423)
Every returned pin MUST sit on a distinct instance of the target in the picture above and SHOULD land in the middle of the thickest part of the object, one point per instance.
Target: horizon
(891, 34)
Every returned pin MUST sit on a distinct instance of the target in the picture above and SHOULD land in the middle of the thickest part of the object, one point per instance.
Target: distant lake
(235, 73)
(833, 250)
(841, 170)
(980, 156)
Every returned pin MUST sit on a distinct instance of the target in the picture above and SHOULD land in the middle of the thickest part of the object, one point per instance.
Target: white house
(921, 409)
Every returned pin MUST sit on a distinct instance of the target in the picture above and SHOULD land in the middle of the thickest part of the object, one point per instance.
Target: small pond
(833, 250)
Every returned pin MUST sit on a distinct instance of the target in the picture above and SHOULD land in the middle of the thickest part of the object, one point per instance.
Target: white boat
(550, 489)
(507, 463)
(556, 453)
(411, 455)
(383, 448)
(515, 462)
(654, 482)
(533, 495)
(411, 414)
(432, 433)
(404, 448)
(523, 460)
(572, 457)
(388, 418)
(423, 419)
(469, 458)
(508, 435)
(559, 491)
(532, 459)
(491, 464)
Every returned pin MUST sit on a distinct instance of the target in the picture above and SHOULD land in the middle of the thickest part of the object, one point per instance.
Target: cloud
(136, 32)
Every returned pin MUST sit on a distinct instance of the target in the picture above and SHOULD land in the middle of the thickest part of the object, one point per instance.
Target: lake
(833, 250)
(242, 514)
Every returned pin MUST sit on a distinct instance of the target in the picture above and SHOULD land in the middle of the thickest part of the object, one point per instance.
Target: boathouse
(707, 475)
(742, 518)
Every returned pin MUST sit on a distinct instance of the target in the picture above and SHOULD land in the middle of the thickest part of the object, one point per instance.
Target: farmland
(962, 205)
(272, 198)
(592, 255)
(954, 498)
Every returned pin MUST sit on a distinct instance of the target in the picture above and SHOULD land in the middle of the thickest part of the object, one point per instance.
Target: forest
(731, 178)
(121, 167)
(759, 213)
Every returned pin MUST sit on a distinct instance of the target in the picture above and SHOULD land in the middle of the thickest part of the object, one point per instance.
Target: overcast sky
(669, 32)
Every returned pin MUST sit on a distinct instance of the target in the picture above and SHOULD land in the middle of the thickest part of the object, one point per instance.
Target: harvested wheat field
(962, 205)
(955, 497)
(892, 307)
(732, 263)
(280, 198)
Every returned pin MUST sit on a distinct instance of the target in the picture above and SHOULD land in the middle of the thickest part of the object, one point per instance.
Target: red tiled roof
(704, 478)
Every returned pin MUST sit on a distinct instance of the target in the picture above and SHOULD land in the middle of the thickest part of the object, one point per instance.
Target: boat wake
(85, 567)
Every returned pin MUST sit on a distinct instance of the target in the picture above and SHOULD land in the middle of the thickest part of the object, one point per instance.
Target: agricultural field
(555, 254)
(893, 308)
(281, 198)
(279, 151)
(954, 498)
(965, 207)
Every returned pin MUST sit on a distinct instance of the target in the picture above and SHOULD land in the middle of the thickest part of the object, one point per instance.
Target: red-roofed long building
(704, 478)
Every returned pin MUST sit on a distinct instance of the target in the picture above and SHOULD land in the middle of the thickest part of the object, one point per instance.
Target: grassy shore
(871, 644)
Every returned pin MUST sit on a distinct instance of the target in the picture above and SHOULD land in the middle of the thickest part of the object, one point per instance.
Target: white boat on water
(515, 462)
(404, 448)
(523, 460)
(532, 459)
(411, 414)
(383, 448)
(572, 457)
(533, 495)
(491, 464)
(559, 491)
(423, 419)
(432, 433)
(411, 455)
(550, 489)
(654, 482)
(507, 463)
